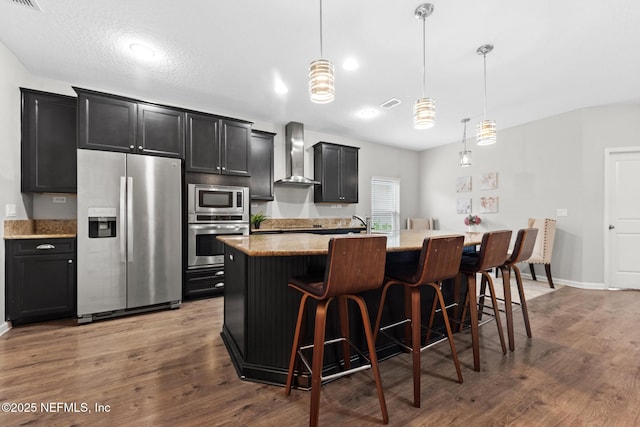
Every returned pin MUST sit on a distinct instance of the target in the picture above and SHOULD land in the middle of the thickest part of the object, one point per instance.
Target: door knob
(611, 227)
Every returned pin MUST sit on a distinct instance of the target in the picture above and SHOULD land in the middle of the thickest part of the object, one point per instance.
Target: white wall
(373, 159)
(557, 162)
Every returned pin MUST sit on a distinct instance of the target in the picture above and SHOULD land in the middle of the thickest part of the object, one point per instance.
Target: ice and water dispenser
(102, 222)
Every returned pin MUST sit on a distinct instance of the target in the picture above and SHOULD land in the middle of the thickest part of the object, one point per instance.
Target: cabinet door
(327, 172)
(160, 131)
(48, 142)
(106, 123)
(261, 185)
(203, 150)
(349, 174)
(234, 147)
(40, 287)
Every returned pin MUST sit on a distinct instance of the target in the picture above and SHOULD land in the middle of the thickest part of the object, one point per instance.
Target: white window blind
(385, 204)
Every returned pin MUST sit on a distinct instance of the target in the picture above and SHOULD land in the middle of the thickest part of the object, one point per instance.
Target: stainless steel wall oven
(214, 210)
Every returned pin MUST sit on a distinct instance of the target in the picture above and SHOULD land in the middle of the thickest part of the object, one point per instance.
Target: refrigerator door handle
(123, 190)
(129, 219)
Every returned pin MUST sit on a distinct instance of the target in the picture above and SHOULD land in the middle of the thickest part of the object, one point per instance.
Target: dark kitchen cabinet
(217, 145)
(40, 279)
(336, 168)
(114, 123)
(204, 283)
(261, 165)
(48, 149)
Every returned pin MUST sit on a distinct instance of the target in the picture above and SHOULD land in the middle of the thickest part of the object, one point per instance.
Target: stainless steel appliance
(129, 233)
(214, 210)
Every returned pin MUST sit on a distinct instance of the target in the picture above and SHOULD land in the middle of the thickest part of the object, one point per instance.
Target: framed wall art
(489, 204)
(463, 184)
(463, 206)
(489, 181)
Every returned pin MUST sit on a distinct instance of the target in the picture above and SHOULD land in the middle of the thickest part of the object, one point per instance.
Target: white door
(622, 218)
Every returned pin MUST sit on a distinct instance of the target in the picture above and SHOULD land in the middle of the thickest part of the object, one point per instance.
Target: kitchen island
(260, 310)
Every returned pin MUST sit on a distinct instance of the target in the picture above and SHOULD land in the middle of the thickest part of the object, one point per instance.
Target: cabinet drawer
(43, 246)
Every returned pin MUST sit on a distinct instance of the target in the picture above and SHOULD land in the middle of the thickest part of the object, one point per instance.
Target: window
(385, 204)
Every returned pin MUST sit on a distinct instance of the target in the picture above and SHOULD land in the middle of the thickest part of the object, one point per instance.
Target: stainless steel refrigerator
(129, 233)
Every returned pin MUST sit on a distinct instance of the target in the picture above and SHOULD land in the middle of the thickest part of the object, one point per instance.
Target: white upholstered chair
(419, 223)
(543, 247)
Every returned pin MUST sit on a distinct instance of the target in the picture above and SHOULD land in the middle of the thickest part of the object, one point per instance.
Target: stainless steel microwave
(217, 203)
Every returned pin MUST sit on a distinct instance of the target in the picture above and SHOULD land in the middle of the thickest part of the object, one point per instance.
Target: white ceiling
(219, 56)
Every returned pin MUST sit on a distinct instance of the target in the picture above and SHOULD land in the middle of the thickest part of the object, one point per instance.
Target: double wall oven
(212, 210)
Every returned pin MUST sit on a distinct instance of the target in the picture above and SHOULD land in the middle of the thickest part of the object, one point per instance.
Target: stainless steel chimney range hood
(294, 160)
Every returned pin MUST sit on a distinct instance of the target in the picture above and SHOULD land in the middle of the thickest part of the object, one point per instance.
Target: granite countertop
(315, 244)
(272, 225)
(40, 229)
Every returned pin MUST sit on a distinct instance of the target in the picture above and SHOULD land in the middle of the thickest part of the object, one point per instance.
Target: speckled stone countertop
(316, 244)
(302, 224)
(39, 228)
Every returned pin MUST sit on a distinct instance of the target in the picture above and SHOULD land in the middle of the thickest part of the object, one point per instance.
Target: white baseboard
(574, 284)
(4, 327)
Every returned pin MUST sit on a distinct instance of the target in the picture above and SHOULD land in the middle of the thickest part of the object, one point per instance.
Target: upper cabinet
(261, 186)
(114, 123)
(48, 142)
(217, 145)
(336, 168)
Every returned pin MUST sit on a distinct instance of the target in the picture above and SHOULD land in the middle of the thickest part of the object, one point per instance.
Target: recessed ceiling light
(280, 87)
(350, 64)
(367, 113)
(142, 51)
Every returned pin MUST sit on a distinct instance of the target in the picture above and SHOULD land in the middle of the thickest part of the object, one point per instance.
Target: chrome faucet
(366, 222)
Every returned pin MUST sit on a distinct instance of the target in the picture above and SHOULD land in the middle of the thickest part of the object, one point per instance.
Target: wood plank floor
(170, 368)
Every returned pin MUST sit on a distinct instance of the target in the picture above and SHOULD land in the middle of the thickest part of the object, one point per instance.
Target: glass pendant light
(465, 156)
(486, 129)
(424, 110)
(321, 76)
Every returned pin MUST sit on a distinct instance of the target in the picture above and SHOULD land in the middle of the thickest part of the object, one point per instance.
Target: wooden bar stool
(354, 265)
(492, 254)
(522, 249)
(439, 260)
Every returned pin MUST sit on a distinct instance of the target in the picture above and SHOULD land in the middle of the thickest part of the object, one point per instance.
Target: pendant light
(321, 77)
(486, 129)
(424, 110)
(465, 156)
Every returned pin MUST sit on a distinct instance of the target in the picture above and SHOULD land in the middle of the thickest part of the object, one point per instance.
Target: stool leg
(523, 301)
(344, 330)
(473, 310)
(483, 290)
(296, 344)
(452, 344)
(433, 313)
(318, 356)
(372, 355)
(508, 308)
(494, 301)
(415, 343)
(383, 297)
(407, 315)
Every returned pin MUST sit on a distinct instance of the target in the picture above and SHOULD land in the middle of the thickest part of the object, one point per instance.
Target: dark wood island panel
(260, 310)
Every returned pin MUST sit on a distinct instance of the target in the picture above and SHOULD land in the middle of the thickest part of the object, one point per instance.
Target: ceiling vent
(390, 103)
(32, 4)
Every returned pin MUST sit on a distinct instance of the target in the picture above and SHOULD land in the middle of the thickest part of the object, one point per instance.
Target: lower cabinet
(204, 283)
(40, 279)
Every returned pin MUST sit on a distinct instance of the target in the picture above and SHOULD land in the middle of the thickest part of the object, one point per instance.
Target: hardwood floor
(582, 367)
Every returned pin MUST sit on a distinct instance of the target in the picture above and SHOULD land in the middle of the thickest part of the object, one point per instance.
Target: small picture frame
(463, 206)
(489, 204)
(489, 181)
(463, 184)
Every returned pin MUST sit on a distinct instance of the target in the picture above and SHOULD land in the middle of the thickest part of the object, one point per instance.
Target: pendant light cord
(424, 58)
(484, 56)
(321, 56)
